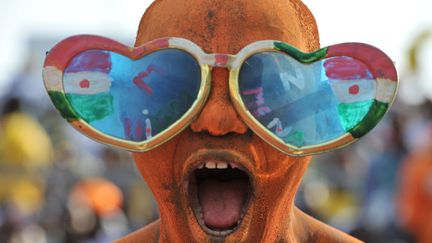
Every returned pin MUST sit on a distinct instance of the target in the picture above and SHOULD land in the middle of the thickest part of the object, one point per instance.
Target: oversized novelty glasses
(138, 98)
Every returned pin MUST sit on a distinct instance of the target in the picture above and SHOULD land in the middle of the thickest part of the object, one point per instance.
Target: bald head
(226, 26)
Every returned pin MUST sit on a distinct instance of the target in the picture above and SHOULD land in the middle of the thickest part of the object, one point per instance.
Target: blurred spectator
(415, 196)
(95, 212)
(379, 221)
(22, 139)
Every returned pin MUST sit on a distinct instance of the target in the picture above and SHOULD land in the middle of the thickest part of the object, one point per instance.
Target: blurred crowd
(58, 186)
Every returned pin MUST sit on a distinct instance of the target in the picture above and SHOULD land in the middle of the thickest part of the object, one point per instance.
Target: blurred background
(54, 181)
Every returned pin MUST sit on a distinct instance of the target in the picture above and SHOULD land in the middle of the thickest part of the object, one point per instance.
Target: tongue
(222, 202)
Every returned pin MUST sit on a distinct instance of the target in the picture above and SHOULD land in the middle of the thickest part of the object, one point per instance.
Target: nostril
(218, 128)
(219, 120)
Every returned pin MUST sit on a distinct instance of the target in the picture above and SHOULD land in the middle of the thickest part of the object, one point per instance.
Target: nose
(218, 116)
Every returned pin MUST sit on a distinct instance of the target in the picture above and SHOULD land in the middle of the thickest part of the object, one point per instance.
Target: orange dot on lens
(355, 89)
(85, 83)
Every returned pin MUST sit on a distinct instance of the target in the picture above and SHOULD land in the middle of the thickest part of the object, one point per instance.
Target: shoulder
(148, 234)
(313, 230)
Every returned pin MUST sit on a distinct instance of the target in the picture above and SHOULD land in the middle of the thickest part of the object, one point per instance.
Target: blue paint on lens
(145, 96)
(299, 103)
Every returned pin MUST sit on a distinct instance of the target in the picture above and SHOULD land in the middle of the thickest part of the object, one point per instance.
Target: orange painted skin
(226, 27)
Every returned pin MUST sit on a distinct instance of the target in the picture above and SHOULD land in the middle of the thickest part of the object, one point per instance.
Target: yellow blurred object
(338, 201)
(328, 201)
(416, 48)
(100, 194)
(26, 195)
(24, 141)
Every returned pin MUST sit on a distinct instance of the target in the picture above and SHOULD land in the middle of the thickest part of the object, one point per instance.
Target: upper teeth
(216, 165)
(222, 165)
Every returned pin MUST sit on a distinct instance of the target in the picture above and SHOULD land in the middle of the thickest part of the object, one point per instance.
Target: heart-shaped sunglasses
(300, 103)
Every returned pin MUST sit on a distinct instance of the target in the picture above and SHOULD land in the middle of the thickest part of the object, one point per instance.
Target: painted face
(217, 179)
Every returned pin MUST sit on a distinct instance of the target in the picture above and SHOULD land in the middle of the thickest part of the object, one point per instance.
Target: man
(213, 178)
(254, 202)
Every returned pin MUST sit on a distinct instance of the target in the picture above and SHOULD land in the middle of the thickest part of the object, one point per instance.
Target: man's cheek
(158, 161)
(278, 164)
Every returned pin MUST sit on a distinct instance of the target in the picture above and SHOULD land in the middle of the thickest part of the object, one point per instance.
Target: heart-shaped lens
(133, 100)
(307, 104)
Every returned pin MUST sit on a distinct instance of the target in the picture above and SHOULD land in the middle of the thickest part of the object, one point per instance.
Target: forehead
(227, 26)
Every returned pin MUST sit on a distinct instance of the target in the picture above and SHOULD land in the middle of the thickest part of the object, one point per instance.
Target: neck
(299, 228)
(276, 223)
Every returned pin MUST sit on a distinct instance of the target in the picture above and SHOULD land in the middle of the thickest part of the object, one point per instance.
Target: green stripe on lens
(376, 112)
(299, 55)
(61, 103)
(92, 107)
(351, 114)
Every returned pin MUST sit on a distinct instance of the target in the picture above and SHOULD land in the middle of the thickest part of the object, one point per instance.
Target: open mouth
(219, 193)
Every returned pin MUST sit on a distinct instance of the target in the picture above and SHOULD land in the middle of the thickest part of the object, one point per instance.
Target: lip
(194, 161)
